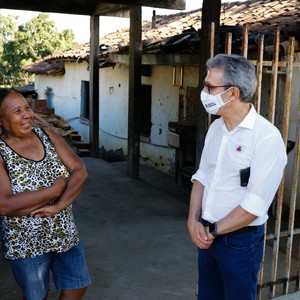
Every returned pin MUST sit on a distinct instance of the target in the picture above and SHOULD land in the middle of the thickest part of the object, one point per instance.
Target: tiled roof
(45, 67)
(262, 15)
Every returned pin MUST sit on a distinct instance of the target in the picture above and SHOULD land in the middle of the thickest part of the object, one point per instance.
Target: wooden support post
(211, 10)
(94, 86)
(135, 63)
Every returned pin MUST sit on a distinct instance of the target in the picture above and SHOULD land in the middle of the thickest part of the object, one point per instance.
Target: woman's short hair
(4, 92)
(237, 71)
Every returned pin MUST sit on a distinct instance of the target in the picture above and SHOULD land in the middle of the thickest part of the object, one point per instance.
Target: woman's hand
(49, 210)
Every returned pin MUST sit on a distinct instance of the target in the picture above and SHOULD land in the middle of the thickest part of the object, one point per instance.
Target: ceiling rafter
(89, 7)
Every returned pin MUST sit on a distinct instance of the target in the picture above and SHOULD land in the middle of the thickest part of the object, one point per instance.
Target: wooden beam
(120, 8)
(94, 86)
(135, 63)
(170, 59)
(169, 4)
(117, 8)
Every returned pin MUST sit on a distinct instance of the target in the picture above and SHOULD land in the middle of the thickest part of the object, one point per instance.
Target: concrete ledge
(293, 296)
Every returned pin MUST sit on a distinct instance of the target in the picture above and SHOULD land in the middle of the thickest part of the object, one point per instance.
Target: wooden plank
(259, 70)
(274, 76)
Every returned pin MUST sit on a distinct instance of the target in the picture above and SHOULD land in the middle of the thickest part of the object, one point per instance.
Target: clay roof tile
(260, 14)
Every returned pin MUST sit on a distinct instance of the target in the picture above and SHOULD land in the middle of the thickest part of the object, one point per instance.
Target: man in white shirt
(240, 170)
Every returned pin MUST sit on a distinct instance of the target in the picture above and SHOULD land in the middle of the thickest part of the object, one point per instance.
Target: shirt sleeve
(266, 172)
(199, 176)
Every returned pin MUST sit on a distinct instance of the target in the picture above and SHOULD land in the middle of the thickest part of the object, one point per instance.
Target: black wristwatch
(213, 229)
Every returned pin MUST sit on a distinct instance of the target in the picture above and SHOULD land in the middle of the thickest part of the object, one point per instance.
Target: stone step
(81, 145)
(81, 148)
(75, 136)
(83, 152)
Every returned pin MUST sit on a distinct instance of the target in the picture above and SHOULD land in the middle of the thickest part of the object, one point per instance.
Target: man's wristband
(213, 229)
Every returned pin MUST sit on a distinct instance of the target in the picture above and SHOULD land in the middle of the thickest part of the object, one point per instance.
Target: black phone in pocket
(244, 176)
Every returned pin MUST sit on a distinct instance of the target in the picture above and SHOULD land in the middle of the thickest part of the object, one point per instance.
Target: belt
(241, 230)
(244, 230)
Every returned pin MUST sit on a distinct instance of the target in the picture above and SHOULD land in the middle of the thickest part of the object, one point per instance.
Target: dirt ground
(135, 237)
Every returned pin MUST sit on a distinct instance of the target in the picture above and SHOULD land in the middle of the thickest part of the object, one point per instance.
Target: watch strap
(213, 229)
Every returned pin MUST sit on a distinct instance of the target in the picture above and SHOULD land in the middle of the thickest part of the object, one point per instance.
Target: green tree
(8, 28)
(29, 43)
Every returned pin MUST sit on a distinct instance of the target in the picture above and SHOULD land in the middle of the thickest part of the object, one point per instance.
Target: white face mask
(212, 103)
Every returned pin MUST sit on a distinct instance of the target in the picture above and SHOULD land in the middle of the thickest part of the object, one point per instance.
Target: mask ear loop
(224, 103)
(226, 90)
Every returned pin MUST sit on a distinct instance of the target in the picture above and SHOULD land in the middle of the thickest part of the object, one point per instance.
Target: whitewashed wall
(114, 107)
(165, 106)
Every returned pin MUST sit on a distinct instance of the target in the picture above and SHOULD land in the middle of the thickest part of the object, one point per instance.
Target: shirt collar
(248, 121)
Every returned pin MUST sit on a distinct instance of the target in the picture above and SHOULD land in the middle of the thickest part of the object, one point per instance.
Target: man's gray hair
(237, 71)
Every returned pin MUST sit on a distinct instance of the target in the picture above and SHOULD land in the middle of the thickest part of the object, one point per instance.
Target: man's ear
(235, 92)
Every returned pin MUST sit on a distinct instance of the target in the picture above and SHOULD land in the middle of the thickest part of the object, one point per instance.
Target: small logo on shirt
(239, 148)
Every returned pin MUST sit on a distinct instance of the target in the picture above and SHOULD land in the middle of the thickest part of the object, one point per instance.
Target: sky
(81, 24)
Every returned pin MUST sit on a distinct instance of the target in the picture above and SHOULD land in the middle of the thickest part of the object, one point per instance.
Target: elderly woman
(40, 178)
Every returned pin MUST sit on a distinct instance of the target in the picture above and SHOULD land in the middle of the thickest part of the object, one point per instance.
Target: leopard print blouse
(26, 236)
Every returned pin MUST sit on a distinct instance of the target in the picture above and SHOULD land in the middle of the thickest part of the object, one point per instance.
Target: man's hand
(199, 234)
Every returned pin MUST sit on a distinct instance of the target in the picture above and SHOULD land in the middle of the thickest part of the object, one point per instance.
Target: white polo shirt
(254, 143)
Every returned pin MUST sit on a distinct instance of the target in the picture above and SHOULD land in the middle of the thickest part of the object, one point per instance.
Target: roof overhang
(117, 8)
